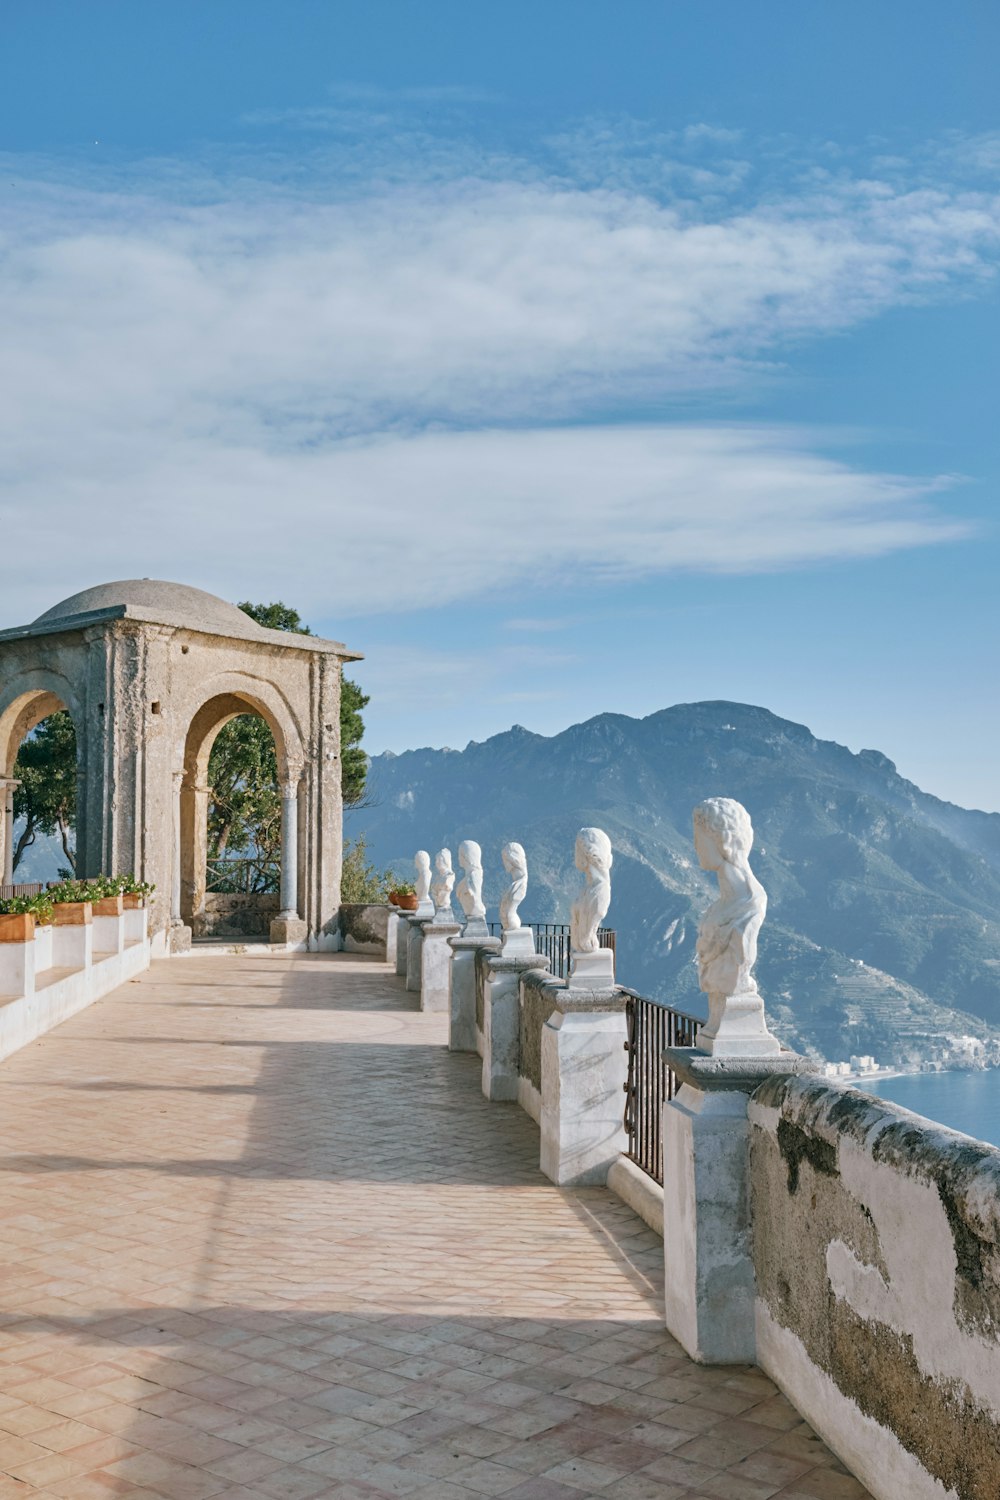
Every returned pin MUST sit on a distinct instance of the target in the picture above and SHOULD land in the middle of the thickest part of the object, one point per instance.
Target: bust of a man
(727, 935)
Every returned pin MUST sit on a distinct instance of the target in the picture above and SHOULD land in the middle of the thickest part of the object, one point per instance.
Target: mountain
(883, 930)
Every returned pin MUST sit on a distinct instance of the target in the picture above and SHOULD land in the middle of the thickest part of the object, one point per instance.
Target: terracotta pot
(133, 901)
(17, 929)
(108, 906)
(73, 913)
(406, 903)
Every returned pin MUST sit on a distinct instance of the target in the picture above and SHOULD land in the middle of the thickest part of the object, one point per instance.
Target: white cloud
(368, 399)
(399, 522)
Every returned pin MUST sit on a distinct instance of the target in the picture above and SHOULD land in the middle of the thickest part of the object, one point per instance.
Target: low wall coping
(501, 965)
(736, 1074)
(572, 1001)
(470, 944)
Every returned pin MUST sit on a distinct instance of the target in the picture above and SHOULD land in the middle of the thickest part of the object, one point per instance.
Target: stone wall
(363, 928)
(235, 916)
(876, 1243)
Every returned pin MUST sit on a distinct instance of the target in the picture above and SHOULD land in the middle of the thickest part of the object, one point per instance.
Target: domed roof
(153, 598)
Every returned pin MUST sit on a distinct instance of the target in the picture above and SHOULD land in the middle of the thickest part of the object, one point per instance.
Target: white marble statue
(422, 862)
(470, 888)
(727, 934)
(443, 885)
(516, 865)
(593, 860)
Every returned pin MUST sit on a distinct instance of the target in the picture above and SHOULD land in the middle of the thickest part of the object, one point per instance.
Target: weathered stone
(876, 1244)
(709, 1294)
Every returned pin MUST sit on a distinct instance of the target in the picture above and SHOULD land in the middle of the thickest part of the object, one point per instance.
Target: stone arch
(25, 701)
(223, 699)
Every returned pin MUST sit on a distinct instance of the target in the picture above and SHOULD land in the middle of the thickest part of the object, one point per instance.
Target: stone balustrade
(846, 1246)
(61, 968)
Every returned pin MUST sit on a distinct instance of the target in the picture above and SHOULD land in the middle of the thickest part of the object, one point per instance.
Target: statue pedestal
(476, 927)
(435, 963)
(737, 1027)
(592, 971)
(502, 1021)
(416, 921)
(584, 1071)
(709, 1292)
(517, 942)
(462, 994)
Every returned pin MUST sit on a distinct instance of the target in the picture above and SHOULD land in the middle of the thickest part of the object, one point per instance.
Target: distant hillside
(883, 933)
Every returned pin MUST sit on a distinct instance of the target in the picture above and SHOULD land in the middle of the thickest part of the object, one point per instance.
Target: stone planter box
(109, 906)
(73, 914)
(17, 928)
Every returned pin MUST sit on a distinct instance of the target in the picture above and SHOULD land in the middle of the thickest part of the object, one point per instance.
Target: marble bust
(516, 865)
(593, 860)
(422, 863)
(470, 888)
(443, 885)
(727, 934)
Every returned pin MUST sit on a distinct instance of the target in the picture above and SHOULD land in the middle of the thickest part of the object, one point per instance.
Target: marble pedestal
(709, 1292)
(416, 921)
(393, 927)
(462, 993)
(435, 964)
(502, 1021)
(584, 1070)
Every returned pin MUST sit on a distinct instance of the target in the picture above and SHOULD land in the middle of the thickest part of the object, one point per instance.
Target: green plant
(39, 907)
(361, 883)
(402, 888)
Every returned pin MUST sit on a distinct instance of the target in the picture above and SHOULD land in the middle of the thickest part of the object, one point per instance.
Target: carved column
(7, 786)
(290, 848)
(175, 866)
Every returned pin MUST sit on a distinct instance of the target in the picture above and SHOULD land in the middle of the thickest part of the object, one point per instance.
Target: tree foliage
(361, 882)
(46, 798)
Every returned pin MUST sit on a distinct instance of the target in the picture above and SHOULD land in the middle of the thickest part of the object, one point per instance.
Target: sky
(562, 357)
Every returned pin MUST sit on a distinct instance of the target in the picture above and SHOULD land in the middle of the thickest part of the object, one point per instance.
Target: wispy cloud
(276, 380)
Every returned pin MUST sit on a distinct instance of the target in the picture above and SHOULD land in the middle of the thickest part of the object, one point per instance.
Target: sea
(964, 1101)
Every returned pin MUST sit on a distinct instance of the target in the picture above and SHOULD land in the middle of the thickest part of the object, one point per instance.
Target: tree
(46, 798)
(245, 809)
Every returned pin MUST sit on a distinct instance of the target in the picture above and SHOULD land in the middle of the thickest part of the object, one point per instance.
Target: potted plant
(17, 921)
(135, 893)
(72, 903)
(404, 896)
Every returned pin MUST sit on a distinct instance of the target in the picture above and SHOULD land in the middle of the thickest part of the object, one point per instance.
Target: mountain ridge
(867, 874)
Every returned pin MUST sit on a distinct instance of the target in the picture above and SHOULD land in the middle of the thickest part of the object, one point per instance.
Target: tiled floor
(263, 1237)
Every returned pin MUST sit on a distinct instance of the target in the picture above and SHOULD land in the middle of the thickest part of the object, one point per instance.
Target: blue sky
(562, 357)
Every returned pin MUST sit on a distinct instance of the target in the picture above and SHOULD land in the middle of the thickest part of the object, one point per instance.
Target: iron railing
(20, 892)
(552, 941)
(242, 877)
(652, 1027)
